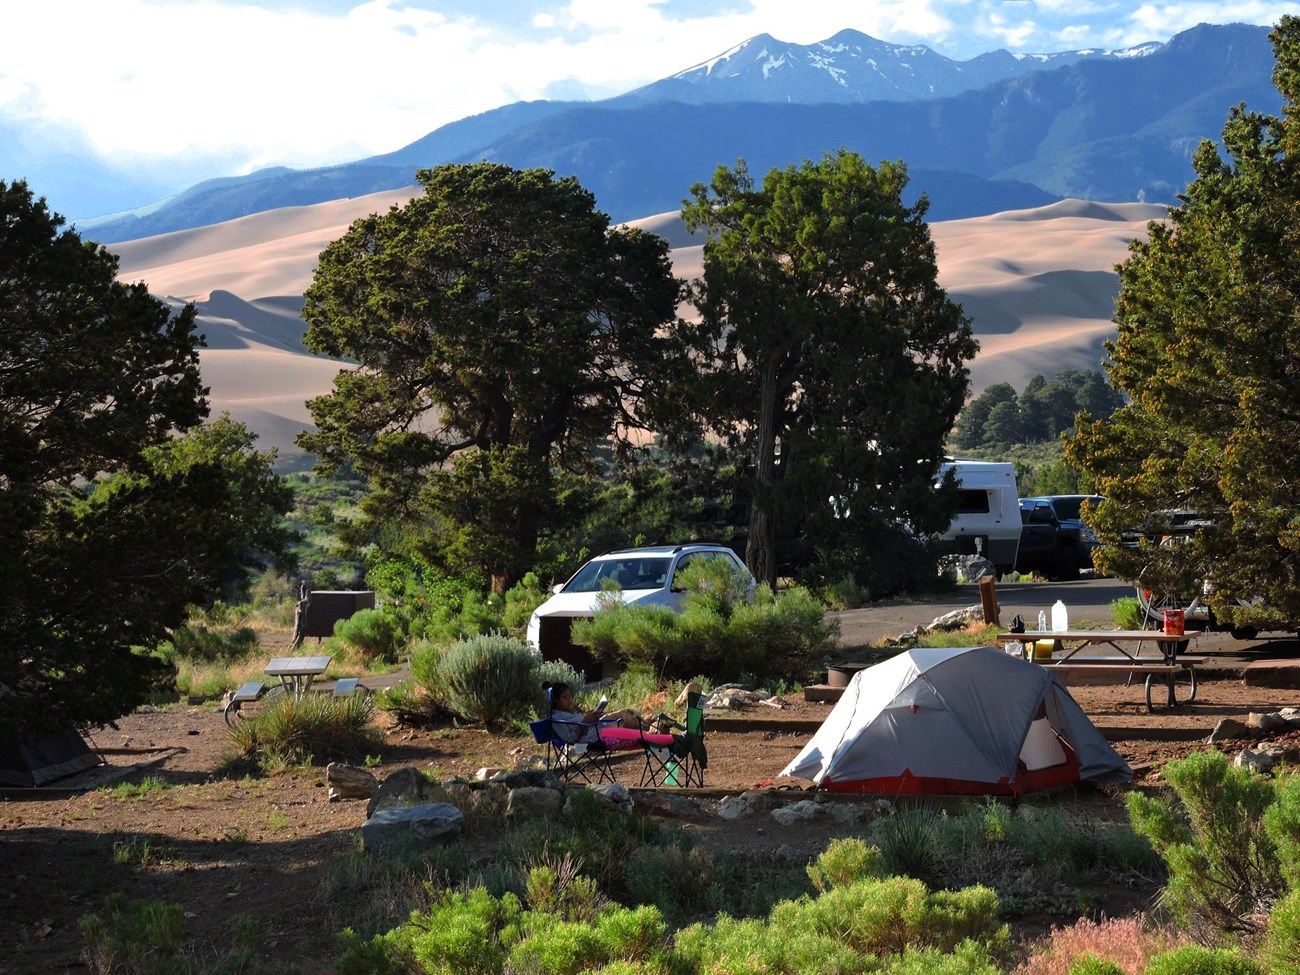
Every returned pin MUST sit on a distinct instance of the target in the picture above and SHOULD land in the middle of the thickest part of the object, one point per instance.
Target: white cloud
(305, 84)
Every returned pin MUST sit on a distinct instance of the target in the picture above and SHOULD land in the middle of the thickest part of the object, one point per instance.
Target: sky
(224, 87)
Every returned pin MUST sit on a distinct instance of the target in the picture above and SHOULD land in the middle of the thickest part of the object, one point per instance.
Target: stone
(402, 787)
(349, 782)
(793, 813)
(734, 807)
(847, 812)
(538, 778)
(614, 793)
(1255, 761)
(1266, 722)
(528, 801)
(692, 688)
(426, 824)
(488, 772)
(957, 619)
(668, 805)
(1228, 728)
(966, 568)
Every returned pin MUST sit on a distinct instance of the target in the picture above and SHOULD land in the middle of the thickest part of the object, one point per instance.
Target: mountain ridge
(1070, 131)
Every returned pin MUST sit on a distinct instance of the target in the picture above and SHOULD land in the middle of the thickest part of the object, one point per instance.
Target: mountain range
(982, 136)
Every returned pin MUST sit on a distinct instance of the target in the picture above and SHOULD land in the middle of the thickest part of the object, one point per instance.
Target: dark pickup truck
(1054, 541)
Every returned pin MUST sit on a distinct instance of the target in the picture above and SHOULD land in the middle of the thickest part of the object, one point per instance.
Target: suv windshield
(633, 572)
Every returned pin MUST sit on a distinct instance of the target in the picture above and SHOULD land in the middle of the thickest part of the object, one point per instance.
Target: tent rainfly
(956, 721)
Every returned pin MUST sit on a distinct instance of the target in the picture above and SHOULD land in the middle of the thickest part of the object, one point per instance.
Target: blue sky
(229, 86)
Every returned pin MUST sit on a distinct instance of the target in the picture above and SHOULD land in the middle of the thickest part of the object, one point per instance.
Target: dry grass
(1129, 942)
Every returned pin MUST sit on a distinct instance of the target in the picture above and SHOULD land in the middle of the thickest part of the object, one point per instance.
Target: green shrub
(785, 636)
(844, 861)
(486, 679)
(966, 959)
(316, 728)
(911, 844)
(1093, 965)
(374, 633)
(1127, 613)
(461, 934)
(752, 947)
(1196, 960)
(1282, 823)
(134, 936)
(521, 599)
(1222, 863)
(1281, 950)
(676, 878)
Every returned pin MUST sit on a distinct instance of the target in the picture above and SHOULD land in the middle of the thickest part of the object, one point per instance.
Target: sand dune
(1039, 286)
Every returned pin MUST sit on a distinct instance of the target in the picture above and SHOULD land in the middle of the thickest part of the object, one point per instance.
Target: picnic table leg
(1178, 680)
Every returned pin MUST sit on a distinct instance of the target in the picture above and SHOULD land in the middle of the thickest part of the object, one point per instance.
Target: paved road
(1087, 600)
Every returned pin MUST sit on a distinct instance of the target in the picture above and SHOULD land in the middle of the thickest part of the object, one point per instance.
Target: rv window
(972, 502)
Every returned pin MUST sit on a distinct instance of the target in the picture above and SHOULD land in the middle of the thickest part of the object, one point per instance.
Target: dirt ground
(229, 846)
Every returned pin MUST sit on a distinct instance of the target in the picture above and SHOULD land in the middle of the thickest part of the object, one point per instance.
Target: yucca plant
(311, 729)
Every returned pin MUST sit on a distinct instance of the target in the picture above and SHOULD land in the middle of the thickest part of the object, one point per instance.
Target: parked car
(1054, 540)
(647, 577)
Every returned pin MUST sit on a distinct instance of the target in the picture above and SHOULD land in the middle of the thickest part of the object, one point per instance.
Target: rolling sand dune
(1039, 286)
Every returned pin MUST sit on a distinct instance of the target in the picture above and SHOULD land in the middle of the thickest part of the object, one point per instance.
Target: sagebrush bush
(315, 728)
(487, 679)
(1222, 863)
(374, 634)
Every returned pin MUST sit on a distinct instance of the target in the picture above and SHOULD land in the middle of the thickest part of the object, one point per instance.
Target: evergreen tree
(835, 364)
(502, 330)
(105, 543)
(1208, 349)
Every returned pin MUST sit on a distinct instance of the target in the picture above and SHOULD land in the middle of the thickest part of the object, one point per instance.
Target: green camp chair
(678, 759)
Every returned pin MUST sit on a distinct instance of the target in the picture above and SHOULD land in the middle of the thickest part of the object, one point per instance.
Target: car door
(1037, 533)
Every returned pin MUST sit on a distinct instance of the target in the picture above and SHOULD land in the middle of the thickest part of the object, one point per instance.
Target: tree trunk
(760, 552)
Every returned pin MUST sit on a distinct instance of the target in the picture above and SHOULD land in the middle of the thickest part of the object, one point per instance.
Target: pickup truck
(1054, 541)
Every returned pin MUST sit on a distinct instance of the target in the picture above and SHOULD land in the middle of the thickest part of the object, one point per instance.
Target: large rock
(804, 809)
(349, 782)
(425, 825)
(967, 568)
(403, 787)
(1228, 729)
(527, 802)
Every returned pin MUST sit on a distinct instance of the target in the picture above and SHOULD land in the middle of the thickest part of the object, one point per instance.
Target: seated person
(575, 726)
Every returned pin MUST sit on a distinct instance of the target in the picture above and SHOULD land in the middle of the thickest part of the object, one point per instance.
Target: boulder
(967, 568)
(403, 787)
(734, 807)
(527, 801)
(1228, 728)
(796, 811)
(614, 793)
(349, 782)
(1256, 761)
(426, 824)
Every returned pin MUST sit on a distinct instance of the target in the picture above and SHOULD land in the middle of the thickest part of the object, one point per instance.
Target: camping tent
(39, 761)
(956, 720)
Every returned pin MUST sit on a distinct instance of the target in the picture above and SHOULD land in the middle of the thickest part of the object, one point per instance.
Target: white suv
(647, 577)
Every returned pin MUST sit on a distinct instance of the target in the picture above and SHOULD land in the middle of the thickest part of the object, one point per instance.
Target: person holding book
(576, 726)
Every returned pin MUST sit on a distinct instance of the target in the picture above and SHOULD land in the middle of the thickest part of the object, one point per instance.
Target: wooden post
(989, 601)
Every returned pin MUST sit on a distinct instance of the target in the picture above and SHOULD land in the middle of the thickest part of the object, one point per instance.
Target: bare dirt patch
(228, 845)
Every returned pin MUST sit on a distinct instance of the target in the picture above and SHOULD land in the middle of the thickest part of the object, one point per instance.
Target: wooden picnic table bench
(1172, 670)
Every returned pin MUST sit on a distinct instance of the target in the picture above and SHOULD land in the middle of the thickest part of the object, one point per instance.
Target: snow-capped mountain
(850, 67)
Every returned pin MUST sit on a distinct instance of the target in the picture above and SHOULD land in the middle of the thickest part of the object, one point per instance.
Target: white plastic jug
(1060, 617)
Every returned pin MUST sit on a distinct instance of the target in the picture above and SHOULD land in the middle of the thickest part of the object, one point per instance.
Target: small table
(296, 673)
(1176, 671)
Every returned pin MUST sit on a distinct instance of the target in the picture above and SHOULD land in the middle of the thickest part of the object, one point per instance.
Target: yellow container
(1043, 649)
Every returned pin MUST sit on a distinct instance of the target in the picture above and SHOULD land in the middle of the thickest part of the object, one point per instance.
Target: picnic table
(1168, 668)
(296, 673)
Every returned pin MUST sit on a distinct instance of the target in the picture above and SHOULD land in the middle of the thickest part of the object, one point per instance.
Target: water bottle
(1060, 617)
(1042, 621)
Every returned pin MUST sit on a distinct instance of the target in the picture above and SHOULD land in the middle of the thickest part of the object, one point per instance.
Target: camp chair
(677, 759)
(573, 760)
(697, 756)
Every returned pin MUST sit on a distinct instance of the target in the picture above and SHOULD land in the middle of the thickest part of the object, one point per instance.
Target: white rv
(987, 522)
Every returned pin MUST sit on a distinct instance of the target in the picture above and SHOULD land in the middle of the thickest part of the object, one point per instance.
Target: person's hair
(553, 690)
